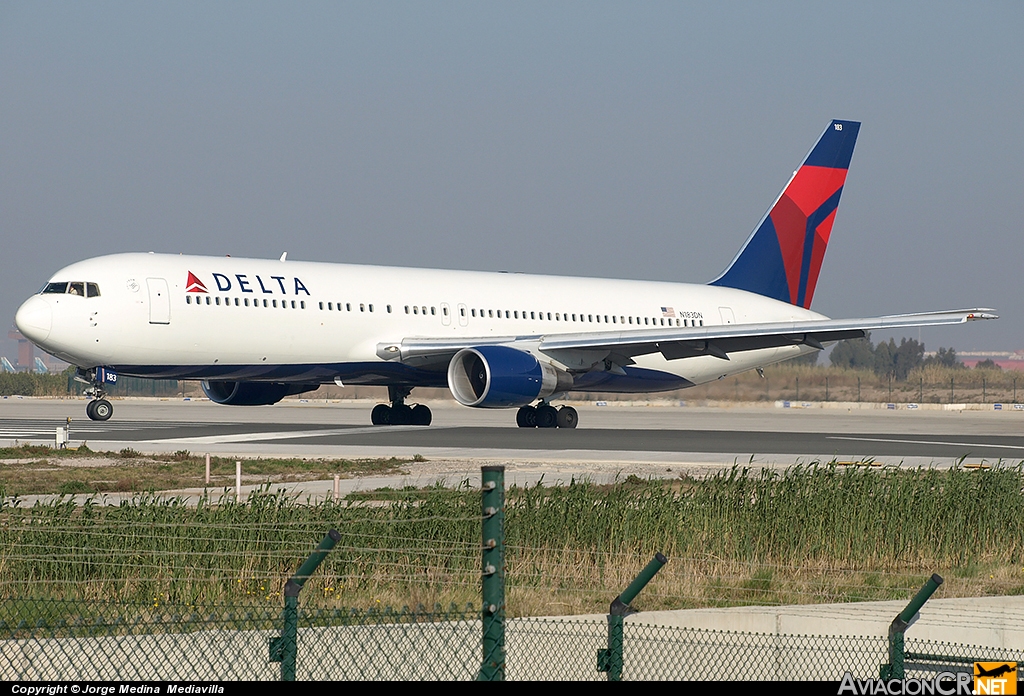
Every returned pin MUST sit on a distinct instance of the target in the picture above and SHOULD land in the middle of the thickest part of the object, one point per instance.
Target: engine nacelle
(253, 393)
(501, 377)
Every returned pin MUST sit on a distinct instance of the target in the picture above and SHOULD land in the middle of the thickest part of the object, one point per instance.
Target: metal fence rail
(62, 640)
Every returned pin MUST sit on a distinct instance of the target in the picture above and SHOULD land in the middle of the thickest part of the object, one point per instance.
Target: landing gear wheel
(381, 415)
(101, 410)
(420, 415)
(526, 417)
(89, 410)
(547, 416)
(401, 414)
(567, 417)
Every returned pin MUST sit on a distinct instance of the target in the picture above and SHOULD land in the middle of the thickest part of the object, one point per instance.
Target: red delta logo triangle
(193, 284)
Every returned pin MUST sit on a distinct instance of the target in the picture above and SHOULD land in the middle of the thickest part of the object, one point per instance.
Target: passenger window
(188, 299)
(348, 306)
(302, 304)
(415, 310)
(473, 312)
(389, 309)
(217, 300)
(371, 307)
(462, 311)
(237, 303)
(55, 289)
(533, 315)
(407, 309)
(423, 310)
(490, 313)
(445, 310)
(433, 311)
(208, 301)
(362, 308)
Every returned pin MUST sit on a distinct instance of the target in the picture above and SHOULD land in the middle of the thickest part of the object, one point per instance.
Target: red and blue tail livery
(782, 258)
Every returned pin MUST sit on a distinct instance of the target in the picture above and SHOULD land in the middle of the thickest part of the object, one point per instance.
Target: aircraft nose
(34, 319)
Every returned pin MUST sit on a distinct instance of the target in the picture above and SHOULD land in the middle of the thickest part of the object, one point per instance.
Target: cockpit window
(75, 288)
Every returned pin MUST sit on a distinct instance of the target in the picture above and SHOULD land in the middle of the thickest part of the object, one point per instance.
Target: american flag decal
(668, 312)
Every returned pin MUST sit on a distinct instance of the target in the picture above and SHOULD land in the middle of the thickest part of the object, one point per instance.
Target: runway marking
(280, 435)
(924, 442)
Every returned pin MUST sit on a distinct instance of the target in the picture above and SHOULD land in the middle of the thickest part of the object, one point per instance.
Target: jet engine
(502, 377)
(253, 393)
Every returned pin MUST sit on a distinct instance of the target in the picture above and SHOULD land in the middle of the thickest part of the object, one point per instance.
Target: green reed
(406, 546)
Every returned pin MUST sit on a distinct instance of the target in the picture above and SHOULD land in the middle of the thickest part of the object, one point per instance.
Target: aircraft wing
(583, 350)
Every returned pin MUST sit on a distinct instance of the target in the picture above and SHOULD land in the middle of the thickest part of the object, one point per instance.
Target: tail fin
(783, 256)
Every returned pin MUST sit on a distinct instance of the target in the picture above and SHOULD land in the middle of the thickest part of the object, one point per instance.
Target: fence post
(284, 649)
(492, 665)
(610, 659)
(894, 668)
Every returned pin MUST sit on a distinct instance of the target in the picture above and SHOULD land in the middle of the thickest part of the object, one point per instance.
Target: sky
(628, 140)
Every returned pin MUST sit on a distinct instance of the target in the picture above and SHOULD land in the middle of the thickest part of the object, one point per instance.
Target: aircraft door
(727, 316)
(446, 314)
(159, 301)
(463, 315)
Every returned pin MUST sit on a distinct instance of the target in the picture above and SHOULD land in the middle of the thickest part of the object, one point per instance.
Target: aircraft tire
(547, 417)
(89, 410)
(101, 410)
(381, 415)
(420, 415)
(526, 417)
(567, 417)
(401, 414)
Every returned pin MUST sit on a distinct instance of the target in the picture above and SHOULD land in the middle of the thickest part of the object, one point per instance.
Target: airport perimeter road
(606, 434)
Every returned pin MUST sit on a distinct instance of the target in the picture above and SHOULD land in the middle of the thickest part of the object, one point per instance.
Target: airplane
(255, 331)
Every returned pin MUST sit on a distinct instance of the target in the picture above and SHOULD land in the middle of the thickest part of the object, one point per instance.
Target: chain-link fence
(61, 640)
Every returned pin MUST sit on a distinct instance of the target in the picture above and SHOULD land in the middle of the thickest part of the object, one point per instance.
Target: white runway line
(279, 435)
(924, 442)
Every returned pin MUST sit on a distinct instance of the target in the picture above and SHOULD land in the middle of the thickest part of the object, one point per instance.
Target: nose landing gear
(99, 409)
(544, 415)
(400, 413)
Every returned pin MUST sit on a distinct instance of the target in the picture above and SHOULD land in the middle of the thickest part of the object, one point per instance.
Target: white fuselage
(301, 321)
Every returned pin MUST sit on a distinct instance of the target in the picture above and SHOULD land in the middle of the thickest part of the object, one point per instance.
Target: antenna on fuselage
(284, 257)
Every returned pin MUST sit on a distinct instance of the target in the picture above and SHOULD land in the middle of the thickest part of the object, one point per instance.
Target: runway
(658, 433)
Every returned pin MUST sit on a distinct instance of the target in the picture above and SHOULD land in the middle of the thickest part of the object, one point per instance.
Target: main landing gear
(399, 413)
(544, 415)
